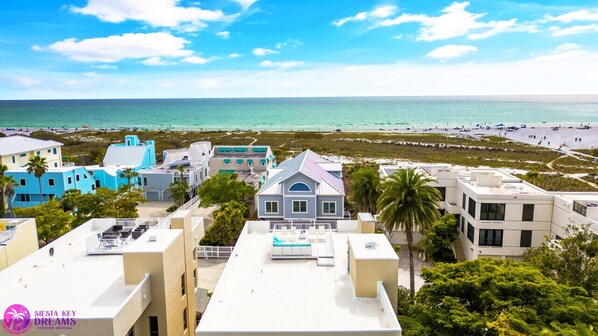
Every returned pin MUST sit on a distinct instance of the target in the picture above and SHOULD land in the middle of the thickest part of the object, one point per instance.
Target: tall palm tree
(408, 201)
(38, 166)
(3, 169)
(181, 170)
(129, 174)
(7, 185)
(365, 189)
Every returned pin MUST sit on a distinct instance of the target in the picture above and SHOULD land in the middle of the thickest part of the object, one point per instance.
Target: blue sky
(264, 48)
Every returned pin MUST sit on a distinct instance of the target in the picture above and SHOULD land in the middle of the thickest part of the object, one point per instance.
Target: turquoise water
(355, 113)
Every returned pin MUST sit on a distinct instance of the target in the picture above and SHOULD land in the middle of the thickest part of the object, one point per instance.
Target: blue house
(306, 187)
(130, 154)
(55, 182)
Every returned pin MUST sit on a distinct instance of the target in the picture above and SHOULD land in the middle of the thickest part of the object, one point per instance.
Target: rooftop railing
(112, 236)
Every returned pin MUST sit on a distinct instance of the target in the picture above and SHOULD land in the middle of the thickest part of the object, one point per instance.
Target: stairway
(459, 250)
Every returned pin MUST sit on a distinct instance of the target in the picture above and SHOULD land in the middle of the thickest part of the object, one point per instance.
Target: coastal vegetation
(228, 223)
(556, 182)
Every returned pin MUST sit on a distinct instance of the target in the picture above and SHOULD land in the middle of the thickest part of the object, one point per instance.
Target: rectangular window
(69, 180)
(97, 183)
(528, 213)
(23, 154)
(24, 198)
(299, 206)
(271, 207)
(463, 201)
(54, 151)
(22, 182)
(442, 191)
(77, 177)
(580, 208)
(471, 207)
(38, 153)
(492, 211)
(55, 164)
(183, 284)
(195, 277)
(526, 238)
(470, 232)
(462, 224)
(93, 187)
(490, 237)
(185, 319)
(14, 160)
(145, 181)
(51, 182)
(329, 208)
(49, 151)
(153, 322)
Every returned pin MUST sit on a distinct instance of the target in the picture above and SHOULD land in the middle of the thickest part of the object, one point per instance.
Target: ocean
(315, 114)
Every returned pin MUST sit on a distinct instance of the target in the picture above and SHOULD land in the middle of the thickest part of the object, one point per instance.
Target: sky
(76, 49)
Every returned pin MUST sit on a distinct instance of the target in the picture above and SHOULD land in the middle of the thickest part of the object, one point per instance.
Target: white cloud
(92, 74)
(282, 65)
(234, 55)
(24, 82)
(118, 47)
(196, 60)
(451, 51)
(156, 61)
(574, 30)
(245, 3)
(288, 43)
(105, 66)
(36, 48)
(223, 35)
(157, 13)
(398, 37)
(264, 51)
(454, 22)
(562, 52)
(580, 15)
(380, 12)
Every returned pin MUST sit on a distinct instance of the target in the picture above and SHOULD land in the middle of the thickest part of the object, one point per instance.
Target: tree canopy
(222, 188)
(498, 297)
(365, 189)
(52, 222)
(438, 237)
(228, 223)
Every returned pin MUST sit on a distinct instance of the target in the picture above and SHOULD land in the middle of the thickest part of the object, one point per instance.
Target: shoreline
(564, 136)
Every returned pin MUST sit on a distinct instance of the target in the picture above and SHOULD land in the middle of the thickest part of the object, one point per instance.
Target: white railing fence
(214, 252)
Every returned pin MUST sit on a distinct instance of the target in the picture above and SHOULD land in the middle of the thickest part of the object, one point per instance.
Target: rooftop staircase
(459, 250)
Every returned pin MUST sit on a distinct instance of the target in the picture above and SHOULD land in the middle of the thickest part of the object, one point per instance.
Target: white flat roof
(18, 144)
(93, 285)
(382, 250)
(256, 294)
(154, 241)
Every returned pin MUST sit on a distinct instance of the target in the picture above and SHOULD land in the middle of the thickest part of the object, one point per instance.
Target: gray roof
(124, 155)
(306, 163)
(19, 144)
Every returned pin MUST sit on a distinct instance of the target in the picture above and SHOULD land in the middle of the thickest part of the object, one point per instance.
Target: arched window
(299, 187)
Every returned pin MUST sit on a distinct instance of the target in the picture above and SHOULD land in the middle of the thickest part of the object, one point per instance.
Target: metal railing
(302, 224)
(214, 252)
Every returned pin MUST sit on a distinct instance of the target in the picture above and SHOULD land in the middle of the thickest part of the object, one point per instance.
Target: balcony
(112, 236)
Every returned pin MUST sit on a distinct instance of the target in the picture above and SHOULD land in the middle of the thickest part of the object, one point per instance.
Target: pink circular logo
(16, 319)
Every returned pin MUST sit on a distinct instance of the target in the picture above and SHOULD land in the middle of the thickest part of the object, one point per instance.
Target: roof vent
(370, 244)
(152, 239)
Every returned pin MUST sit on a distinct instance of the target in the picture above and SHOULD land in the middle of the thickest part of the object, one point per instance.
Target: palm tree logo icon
(17, 319)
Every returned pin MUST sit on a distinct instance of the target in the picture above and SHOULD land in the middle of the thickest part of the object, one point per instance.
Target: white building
(500, 215)
(16, 150)
(354, 292)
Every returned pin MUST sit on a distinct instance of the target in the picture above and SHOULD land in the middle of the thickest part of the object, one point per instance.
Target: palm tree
(408, 201)
(181, 170)
(7, 185)
(365, 189)
(3, 169)
(38, 166)
(129, 174)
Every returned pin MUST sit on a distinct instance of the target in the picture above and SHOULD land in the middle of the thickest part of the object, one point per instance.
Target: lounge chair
(293, 233)
(312, 234)
(321, 233)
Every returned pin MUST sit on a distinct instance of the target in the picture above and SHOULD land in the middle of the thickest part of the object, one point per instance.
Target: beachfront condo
(132, 154)
(16, 150)
(250, 163)
(306, 279)
(54, 183)
(195, 161)
(306, 187)
(498, 214)
(18, 239)
(109, 277)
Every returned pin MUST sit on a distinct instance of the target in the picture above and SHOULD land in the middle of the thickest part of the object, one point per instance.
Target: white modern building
(261, 292)
(500, 215)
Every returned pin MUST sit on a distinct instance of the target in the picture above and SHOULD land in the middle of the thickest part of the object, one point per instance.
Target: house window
(185, 319)
(22, 182)
(442, 191)
(470, 232)
(51, 182)
(153, 322)
(526, 238)
(271, 207)
(145, 181)
(77, 178)
(93, 187)
(463, 201)
(22, 154)
(580, 208)
(329, 208)
(97, 183)
(492, 211)
(299, 206)
(38, 153)
(490, 237)
(195, 276)
(471, 207)
(49, 151)
(14, 160)
(24, 198)
(462, 224)
(55, 164)
(54, 151)
(183, 284)
(528, 213)
(69, 180)
(85, 176)
(299, 186)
